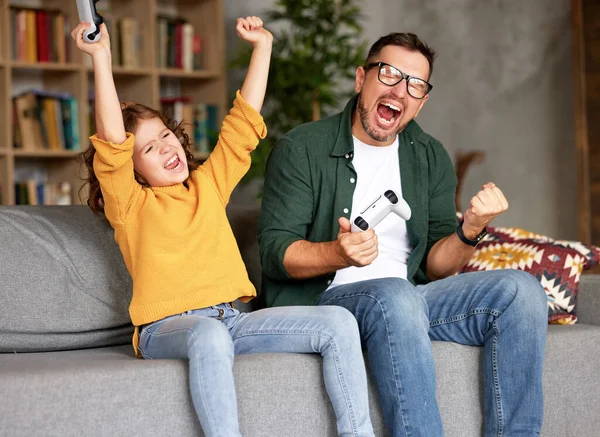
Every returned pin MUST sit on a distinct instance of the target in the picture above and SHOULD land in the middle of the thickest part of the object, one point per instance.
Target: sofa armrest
(588, 299)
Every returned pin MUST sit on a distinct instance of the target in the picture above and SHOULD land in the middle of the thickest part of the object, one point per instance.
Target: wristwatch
(476, 241)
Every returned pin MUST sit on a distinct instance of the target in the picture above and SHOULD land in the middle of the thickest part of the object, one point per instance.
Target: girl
(169, 218)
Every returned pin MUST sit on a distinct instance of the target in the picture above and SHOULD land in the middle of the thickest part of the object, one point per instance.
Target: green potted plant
(315, 55)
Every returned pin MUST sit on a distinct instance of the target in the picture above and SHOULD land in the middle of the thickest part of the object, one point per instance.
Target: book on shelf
(39, 35)
(130, 42)
(178, 45)
(33, 188)
(31, 192)
(46, 120)
(125, 41)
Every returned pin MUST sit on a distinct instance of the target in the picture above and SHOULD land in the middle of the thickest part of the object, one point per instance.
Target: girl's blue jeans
(210, 337)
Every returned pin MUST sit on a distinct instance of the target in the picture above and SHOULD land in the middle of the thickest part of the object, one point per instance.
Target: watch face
(481, 236)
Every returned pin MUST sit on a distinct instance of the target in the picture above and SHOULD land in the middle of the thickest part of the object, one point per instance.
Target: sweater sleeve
(113, 166)
(230, 160)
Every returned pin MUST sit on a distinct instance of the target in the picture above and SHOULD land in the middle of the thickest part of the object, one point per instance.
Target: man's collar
(344, 144)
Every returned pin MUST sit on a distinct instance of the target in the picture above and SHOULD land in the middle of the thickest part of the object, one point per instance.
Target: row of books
(44, 36)
(31, 192)
(178, 45)
(200, 120)
(125, 41)
(45, 120)
(39, 35)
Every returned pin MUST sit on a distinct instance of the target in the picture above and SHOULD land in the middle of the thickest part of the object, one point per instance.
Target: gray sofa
(64, 293)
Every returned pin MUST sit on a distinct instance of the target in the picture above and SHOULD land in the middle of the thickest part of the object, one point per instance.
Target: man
(398, 279)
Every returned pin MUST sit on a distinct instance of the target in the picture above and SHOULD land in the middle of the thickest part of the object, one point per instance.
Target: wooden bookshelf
(146, 83)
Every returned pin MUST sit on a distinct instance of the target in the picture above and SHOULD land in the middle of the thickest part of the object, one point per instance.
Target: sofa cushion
(108, 392)
(556, 264)
(63, 282)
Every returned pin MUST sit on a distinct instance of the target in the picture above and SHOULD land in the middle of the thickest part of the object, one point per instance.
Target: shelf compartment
(67, 8)
(131, 88)
(130, 16)
(56, 170)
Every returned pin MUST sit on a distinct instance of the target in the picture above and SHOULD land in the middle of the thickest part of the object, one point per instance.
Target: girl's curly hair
(132, 113)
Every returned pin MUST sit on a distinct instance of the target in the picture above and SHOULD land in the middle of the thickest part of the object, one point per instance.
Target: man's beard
(364, 120)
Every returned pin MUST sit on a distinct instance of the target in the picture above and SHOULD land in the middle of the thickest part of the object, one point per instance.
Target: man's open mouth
(388, 113)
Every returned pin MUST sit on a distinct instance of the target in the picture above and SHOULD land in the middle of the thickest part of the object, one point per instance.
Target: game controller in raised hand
(87, 12)
(378, 209)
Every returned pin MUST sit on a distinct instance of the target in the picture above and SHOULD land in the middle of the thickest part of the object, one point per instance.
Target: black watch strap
(464, 239)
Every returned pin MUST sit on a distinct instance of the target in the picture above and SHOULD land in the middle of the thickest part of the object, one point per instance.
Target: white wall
(502, 84)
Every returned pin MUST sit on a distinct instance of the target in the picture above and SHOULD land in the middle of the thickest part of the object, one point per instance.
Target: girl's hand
(251, 29)
(100, 48)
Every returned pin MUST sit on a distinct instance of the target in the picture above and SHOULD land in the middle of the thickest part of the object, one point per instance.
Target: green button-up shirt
(310, 182)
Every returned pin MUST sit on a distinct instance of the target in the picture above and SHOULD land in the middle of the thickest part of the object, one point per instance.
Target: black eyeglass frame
(403, 76)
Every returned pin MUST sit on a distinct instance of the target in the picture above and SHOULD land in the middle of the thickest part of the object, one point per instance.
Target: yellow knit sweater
(176, 241)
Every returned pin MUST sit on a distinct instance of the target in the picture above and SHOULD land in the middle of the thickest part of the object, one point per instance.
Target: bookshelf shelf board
(3, 151)
(183, 74)
(49, 66)
(40, 153)
(126, 71)
(132, 71)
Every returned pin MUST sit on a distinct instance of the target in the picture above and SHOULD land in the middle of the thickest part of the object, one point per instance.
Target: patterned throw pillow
(557, 264)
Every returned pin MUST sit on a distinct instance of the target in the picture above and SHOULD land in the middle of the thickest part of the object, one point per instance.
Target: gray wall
(502, 84)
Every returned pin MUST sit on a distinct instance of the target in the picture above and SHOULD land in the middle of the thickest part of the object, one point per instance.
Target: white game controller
(378, 209)
(87, 12)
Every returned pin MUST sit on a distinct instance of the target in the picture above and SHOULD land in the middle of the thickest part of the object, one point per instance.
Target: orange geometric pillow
(557, 264)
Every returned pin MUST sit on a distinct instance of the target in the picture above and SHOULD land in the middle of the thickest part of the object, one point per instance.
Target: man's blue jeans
(210, 337)
(505, 311)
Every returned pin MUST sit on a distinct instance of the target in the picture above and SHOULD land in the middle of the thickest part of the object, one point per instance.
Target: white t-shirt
(378, 170)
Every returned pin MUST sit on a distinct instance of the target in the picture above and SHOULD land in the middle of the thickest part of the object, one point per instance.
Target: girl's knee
(209, 336)
(338, 321)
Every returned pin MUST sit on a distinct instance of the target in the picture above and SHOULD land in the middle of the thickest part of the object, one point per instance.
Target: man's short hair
(409, 41)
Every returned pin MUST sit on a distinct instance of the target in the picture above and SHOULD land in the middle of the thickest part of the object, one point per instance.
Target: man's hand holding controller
(379, 208)
(357, 242)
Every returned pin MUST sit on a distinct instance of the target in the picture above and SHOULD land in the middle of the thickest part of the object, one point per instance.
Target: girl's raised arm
(109, 121)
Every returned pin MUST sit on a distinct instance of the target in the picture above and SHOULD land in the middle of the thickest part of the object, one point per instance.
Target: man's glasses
(390, 76)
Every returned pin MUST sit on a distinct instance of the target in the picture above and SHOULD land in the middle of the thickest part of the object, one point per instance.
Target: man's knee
(397, 296)
(393, 304)
(527, 292)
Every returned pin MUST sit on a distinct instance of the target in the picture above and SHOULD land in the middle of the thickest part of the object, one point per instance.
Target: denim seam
(333, 345)
(399, 389)
(496, 378)
(464, 316)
